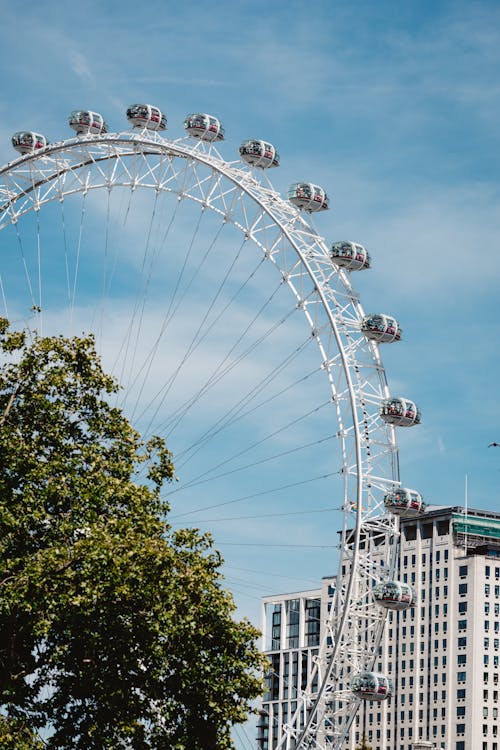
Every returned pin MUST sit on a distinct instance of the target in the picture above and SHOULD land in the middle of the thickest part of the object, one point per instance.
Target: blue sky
(393, 108)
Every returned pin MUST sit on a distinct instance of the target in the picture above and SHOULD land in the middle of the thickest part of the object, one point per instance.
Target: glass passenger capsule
(404, 502)
(204, 127)
(27, 142)
(400, 412)
(259, 154)
(146, 116)
(371, 686)
(307, 196)
(394, 595)
(85, 122)
(381, 328)
(350, 255)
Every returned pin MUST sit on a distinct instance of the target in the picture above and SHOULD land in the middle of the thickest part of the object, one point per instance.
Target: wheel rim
(322, 292)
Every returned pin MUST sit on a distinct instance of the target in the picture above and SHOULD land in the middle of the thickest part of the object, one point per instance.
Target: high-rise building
(442, 654)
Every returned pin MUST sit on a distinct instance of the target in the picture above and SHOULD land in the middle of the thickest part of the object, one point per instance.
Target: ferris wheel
(234, 328)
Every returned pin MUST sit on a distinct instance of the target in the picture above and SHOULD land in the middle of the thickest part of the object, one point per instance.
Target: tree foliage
(364, 744)
(116, 630)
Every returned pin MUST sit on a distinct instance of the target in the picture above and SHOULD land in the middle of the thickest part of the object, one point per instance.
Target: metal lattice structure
(354, 376)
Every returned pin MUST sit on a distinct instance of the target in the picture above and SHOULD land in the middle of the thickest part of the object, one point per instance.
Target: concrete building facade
(442, 654)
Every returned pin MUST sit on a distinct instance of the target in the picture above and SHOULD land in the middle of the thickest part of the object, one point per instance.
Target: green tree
(16, 735)
(364, 744)
(116, 631)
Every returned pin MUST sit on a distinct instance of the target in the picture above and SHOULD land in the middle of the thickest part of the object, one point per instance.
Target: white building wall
(442, 655)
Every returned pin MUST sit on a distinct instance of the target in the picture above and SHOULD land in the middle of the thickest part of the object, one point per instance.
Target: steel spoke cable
(78, 252)
(270, 574)
(139, 305)
(220, 373)
(275, 545)
(39, 269)
(121, 354)
(187, 256)
(253, 495)
(204, 479)
(25, 264)
(216, 375)
(171, 381)
(145, 368)
(169, 314)
(243, 740)
(268, 515)
(243, 414)
(4, 299)
(249, 585)
(224, 310)
(234, 413)
(66, 253)
(196, 340)
(104, 274)
(242, 592)
(267, 437)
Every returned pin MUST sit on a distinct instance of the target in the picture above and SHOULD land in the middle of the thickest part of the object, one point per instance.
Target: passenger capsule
(350, 255)
(307, 196)
(85, 122)
(381, 328)
(204, 127)
(400, 412)
(259, 154)
(371, 686)
(404, 503)
(146, 116)
(27, 142)
(394, 595)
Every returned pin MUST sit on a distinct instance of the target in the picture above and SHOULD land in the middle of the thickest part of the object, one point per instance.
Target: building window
(462, 589)
(462, 571)
(410, 533)
(462, 608)
(292, 607)
(427, 530)
(443, 528)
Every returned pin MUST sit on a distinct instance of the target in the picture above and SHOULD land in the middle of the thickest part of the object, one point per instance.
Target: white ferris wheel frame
(141, 159)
